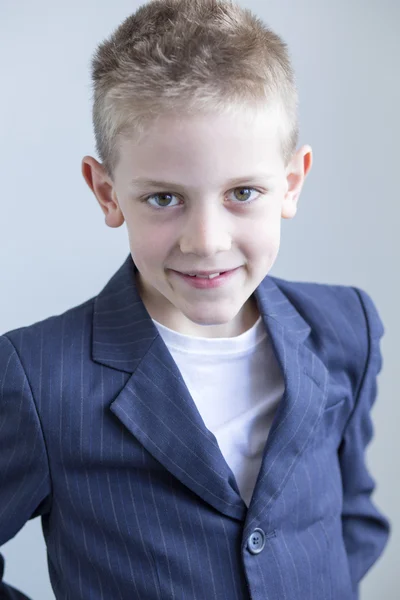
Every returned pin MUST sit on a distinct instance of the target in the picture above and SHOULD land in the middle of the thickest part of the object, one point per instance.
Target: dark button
(256, 541)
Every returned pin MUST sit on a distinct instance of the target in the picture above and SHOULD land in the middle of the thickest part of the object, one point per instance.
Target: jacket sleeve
(24, 474)
(365, 529)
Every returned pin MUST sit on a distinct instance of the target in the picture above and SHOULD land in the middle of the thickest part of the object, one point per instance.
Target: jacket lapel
(155, 404)
(303, 402)
(157, 408)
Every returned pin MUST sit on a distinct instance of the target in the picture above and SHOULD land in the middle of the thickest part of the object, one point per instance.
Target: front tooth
(208, 276)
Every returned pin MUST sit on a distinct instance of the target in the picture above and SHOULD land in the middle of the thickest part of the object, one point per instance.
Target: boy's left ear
(296, 172)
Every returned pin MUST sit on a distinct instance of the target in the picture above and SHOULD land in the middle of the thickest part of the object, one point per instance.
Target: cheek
(264, 234)
(149, 245)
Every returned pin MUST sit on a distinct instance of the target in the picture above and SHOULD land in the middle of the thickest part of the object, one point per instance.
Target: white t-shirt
(236, 384)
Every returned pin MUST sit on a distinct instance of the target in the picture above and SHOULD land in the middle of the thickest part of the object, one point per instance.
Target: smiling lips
(206, 282)
(205, 276)
(214, 273)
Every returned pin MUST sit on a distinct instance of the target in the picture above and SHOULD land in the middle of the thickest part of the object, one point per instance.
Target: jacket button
(256, 541)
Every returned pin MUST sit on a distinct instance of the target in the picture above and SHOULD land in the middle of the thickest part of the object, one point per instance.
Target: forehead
(187, 147)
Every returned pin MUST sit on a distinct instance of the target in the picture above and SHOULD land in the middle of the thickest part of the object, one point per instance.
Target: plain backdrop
(56, 251)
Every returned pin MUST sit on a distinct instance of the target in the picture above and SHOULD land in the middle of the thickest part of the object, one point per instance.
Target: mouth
(209, 281)
(206, 274)
(210, 276)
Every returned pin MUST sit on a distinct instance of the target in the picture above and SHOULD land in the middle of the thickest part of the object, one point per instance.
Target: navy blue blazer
(100, 437)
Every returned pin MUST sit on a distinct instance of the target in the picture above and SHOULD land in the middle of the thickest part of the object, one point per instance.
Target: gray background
(56, 251)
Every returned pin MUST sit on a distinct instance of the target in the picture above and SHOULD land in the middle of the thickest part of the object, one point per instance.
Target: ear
(102, 187)
(296, 172)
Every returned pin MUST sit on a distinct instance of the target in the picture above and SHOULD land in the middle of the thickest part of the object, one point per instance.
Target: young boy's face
(196, 220)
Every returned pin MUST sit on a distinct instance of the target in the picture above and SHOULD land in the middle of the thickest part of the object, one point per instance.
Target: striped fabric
(101, 438)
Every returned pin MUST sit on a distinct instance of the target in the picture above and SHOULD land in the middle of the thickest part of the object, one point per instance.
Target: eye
(246, 190)
(163, 195)
(241, 194)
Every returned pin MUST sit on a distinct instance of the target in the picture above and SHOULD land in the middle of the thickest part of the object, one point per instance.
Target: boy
(198, 429)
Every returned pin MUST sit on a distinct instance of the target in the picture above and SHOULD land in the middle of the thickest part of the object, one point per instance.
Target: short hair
(189, 57)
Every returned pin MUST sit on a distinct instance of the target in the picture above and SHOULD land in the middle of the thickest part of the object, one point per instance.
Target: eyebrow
(141, 181)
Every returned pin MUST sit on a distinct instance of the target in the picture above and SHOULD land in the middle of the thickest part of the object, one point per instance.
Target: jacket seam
(38, 417)
(367, 360)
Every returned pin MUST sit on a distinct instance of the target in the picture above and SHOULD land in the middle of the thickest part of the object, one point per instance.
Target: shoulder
(53, 330)
(339, 315)
(333, 299)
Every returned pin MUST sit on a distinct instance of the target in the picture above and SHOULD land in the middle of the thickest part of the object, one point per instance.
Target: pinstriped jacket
(100, 437)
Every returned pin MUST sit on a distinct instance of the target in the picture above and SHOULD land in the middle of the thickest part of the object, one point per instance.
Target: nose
(205, 233)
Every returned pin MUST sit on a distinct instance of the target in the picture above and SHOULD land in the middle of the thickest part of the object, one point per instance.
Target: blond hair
(188, 57)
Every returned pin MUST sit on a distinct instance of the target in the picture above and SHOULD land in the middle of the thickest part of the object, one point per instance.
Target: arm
(24, 473)
(365, 529)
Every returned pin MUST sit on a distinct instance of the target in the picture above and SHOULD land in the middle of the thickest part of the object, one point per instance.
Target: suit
(100, 437)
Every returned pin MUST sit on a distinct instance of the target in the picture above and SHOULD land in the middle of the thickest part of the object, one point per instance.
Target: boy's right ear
(102, 187)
